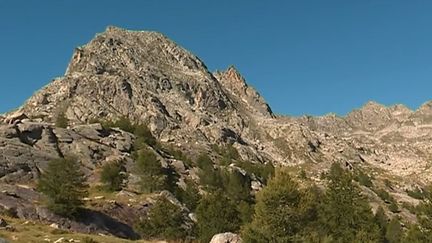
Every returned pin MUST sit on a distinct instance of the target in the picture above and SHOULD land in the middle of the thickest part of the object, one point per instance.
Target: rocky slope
(149, 79)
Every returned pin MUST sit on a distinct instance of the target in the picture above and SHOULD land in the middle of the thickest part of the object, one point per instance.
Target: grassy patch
(27, 231)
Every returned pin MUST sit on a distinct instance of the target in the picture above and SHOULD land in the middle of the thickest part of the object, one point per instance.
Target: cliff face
(149, 79)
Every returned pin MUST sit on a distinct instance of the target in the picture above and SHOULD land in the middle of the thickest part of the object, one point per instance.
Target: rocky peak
(370, 117)
(426, 107)
(234, 83)
(117, 51)
(400, 112)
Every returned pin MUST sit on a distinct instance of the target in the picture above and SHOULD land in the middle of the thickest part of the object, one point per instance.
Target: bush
(394, 231)
(262, 171)
(64, 185)
(123, 123)
(210, 177)
(216, 214)
(236, 186)
(387, 198)
(61, 120)
(364, 179)
(144, 135)
(178, 155)
(417, 193)
(112, 176)
(152, 175)
(141, 131)
(190, 197)
(164, 221)
(204, 161)
(88, 240)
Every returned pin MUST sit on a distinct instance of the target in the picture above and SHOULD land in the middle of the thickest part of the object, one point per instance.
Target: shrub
(190, 196)
(236, 185)
(64, 185)
(216, 214)
(394, 231)
(141, 131)
(210, 177)
(61, 120)
(204, 161)
(302, 174)
(152, 175)
(123, 123)
(144, 135)
(262, 171)
(178, 154)
(88, 240)
(163, 221)
(363, 178)
(417, 193)
(112, 176)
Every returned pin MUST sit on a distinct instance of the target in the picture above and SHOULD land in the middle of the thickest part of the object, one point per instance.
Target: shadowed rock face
(148, 78)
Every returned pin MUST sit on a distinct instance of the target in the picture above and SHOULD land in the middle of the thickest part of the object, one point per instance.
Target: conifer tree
(63, 184)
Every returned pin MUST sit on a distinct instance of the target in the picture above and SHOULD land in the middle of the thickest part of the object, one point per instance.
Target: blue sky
(304, 57)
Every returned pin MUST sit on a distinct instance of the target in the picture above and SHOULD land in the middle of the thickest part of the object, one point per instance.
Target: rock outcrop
(226, 238)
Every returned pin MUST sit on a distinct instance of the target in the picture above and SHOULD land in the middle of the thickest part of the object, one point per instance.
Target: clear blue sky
(305, 57)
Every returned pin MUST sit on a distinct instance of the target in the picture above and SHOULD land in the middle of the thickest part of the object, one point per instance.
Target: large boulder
(226, 238)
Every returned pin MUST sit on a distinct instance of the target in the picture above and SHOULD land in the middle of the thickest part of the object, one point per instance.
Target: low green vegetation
(164, 221)
(416, 193)
(152, 175)
(216, 213)
(363, 178)
(388, 199)
(112, 176)
(61, 120)
(263, 171)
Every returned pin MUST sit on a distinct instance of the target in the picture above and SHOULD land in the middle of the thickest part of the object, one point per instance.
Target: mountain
(148, 79)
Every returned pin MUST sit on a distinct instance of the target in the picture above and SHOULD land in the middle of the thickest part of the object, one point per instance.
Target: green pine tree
(63, 184)
(345, 214)
(112, 176)
(164, 221)
(283, 212)
(152, 175)
(216, 214)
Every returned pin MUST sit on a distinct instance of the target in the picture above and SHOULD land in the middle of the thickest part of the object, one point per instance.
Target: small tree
(282, 212)
(190, 196)
(164, 221)
(144, 135)
(216, 214)
(382, 221)
(237, 185)
(210, 177)
(64, 185)
(61, 120)
(112, 176)
(345, 214)
(394, 231)
(152, 175)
